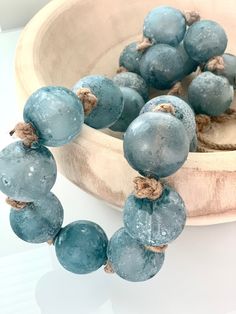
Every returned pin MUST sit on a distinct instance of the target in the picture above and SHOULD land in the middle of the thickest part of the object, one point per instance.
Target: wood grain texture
(72, 38)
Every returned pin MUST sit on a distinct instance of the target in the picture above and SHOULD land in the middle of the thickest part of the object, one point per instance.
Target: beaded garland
(156, 144)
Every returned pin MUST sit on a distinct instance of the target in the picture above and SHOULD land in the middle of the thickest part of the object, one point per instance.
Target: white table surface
(198, 277)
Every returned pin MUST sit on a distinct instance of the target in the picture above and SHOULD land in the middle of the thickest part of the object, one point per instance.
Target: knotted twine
(26, 132)
(204, 122)
(88, 99)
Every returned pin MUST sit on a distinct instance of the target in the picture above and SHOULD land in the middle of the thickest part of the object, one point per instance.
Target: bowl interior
(86, 37)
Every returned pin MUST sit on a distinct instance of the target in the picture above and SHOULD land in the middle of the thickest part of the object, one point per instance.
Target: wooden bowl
(69, 39)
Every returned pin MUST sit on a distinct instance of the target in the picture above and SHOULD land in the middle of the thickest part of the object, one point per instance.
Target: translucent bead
(134, 81)
(26, 174)
(162, 66)
(133, 103)
(131, 260)
(130, 58)
(39, 221)
(155, 222)
(109, 100)
(183, 111)
(81, 247)
(210, 94)
(204, 40)
(156, 144)
(56, 113)
(165, 25)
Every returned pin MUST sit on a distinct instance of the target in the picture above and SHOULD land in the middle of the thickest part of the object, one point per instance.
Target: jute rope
(25, 132)
(89, 100)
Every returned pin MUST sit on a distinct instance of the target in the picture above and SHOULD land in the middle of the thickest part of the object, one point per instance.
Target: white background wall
(16, 13)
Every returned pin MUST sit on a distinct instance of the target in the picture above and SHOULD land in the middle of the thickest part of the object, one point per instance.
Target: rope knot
(16, 204)
(156, 249)
(203, 122)
(165, 107)
(108, 268)
(144, 44)
(25, 132)
(176, 90)
(216, 63)
(121, 69)
(191, 17)
(147, 188)
(89, 100)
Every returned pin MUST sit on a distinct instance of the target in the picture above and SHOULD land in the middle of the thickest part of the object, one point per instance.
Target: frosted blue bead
(26, 174)
(183, 111)
(56, 113)
(130, 260)
(210, 94)
(204, 40)
(133, 103)
(130, 58)
(157, 222)
(229, 70)
(109, 100)
(193, 144)
(161, 66)
(134, 81)
(39, 221)
(81, 247)
(189, 65)
(156, 144)
(165, 25)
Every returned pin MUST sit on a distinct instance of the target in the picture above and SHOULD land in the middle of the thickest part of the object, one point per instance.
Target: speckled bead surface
(133, 103)
(130, 58)
(157, 222)
(56, 113)
(130, 260)
(39, 221)
(183, 111)
(81, 247)
(204, 40)
(109, 100)
(210, 94)
(26, 174)
(156, 144)
(229, 70)
(189, 65)
(134, 81)
(165, 25)
(161, 66)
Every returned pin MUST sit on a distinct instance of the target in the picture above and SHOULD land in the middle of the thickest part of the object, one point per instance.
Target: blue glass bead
(130, 260)
(210, 94)
(81, 247)
(109, 100)
(56, 113)
(165, 25)
(161, 66)
(26, 174)
(39, 221)
(134, 81)
(183, 111)
(229, 70)
(204, 40)
(133, 103)
(189, 65)
(155, 222)
(156, 144)
(193, 144)
(130, 58)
